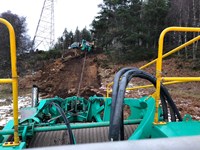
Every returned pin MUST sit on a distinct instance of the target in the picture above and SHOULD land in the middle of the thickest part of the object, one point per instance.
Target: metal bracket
(7, 144)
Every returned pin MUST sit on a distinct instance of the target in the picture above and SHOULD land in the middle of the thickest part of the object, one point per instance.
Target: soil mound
(62, 77)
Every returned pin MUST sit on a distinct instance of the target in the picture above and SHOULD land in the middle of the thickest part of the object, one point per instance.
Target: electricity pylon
(44, 34)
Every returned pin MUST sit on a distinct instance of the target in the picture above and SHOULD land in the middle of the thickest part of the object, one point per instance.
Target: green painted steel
(24, 132)
(144, 128)
(95, 112)
(85, 46)
(8, 126)
(176, 129)
(79, 109)
(53, 114)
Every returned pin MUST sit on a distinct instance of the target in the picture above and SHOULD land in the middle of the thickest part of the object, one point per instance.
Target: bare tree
(185, 13)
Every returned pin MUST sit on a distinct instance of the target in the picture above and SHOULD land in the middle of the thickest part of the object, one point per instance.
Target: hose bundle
(121, 80)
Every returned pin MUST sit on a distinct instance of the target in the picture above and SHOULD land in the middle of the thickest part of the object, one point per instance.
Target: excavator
(84, 46)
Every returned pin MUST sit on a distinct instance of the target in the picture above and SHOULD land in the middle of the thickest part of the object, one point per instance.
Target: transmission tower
(44, 34)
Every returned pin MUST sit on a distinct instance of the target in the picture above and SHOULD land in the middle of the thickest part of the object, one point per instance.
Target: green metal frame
(47, 118)
(142, 112)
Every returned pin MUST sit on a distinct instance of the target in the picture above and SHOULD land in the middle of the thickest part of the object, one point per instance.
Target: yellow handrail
(159, 64)
(14, 79)
(173, 51)
(108, 91)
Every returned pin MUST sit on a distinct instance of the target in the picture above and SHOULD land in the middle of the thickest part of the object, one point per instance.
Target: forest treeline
(130, 29)
(126, 30)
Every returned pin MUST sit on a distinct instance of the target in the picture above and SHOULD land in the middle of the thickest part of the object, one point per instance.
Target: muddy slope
(63, 76)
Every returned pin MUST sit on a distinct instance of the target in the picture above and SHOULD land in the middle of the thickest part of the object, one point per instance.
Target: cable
(115, 91)
(67, 123)
(81, 78)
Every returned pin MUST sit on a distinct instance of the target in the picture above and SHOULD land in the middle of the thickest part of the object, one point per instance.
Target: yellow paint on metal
(108, 91)
(184, 79)
(152, 95)
(173, 51)
(159, 61)
(7, 144)
(6, 80)
(159, 123)
(108, 87)
(14, 79)
(151, 85)
(152, 62)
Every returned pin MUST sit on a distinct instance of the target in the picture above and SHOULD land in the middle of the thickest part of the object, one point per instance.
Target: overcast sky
(68, 13)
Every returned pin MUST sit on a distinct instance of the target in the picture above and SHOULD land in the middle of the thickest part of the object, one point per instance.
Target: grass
(6, 91)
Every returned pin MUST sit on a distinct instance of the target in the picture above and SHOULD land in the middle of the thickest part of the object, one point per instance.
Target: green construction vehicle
(84, 46)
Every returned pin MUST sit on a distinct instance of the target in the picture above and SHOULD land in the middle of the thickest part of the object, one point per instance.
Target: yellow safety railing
(108, 88)
(158, 61)
(13, 80)
(159, 77)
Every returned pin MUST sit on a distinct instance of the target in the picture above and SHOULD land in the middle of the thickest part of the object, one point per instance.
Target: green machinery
(75, 120)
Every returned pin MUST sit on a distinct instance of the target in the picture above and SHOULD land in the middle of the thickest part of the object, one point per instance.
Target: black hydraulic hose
(116, 120)
(162, 96)
(164, 107)
(116, 85)
(115, 91)
(172, 106)
(67, 123)
(122, 126)
(164, 92)
(152, 79)
(172, 114)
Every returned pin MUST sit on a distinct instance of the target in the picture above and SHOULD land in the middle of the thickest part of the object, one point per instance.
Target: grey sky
(68, 13)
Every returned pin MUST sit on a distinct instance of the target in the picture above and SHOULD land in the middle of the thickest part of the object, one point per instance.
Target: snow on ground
(6, 108)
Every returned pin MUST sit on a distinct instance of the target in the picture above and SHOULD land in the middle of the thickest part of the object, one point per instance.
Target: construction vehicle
(75, 120)
(84, 46)
(74, 45)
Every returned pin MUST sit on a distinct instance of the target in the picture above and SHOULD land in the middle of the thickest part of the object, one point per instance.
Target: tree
(155, 14)
(127, 27)
(59, 44)
(184, 13)
(77, 36)
(86, 34)
(23, 42)
(67, 38)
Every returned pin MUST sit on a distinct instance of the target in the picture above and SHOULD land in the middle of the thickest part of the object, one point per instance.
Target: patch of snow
(6, 109)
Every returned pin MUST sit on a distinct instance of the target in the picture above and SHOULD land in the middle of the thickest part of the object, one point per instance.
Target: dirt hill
(61, 77)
